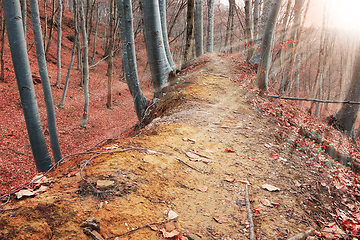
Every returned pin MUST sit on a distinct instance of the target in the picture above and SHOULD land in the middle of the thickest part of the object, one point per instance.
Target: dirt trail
(209, 115)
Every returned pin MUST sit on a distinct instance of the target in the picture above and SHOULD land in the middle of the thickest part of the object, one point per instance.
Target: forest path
(194, 160)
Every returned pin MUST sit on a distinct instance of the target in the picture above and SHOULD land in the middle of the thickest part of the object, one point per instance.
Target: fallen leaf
(268, 145)
(192, 155)
(244, 181)
(153, 227)
(181, 237)
(256, 211)
(205, 161)
(229, 179)
(203, 189)
(297, 184)
(172, 215)
(229, 150)
(169, 234)
(24, 192)
(40, 178)
(266, 202)
(220, 219)
(270, 188)
(73, 174)
(280, 159)
(41, 189)
(275, 203)
(189, 140)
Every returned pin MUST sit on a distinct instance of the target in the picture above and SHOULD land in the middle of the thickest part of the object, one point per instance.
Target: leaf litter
(143, 184)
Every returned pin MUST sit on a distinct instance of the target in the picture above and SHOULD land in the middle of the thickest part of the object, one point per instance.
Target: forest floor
(214, 145)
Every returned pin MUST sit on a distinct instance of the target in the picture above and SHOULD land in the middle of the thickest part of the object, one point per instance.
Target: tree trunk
(110, 58)
(255, 59)
(249, 27)
(51, 27)
(189, 29)
(58, 52)
(25, 85)
(198, 28)
(45, 22)
(62, 101)
(24, 15)
(95, 36)
(129, 58)
(162, 8)
(256, 18)
(263, 70)
(3, 30)
(154, 46)
(210, 27)
(40, 53)
(85, 67)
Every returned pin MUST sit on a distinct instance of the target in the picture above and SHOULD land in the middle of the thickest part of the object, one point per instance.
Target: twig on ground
(252, 234)
(298, 219)
(200, 155)
(302, 236)
(8, 209)
(189, 165)
(184, 186)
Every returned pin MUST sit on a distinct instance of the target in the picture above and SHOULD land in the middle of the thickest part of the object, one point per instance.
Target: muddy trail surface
(189, 174)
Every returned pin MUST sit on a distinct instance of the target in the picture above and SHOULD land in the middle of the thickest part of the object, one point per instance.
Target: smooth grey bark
(58, 52)
(85, 67)
(255, 59)
(210, 27)
(45, 82)
(347, 115)
(24, 15)
(249, 29)
(162, 8)
(3, 30)
(110, 59)
(155, 49)
(198, 28)
(129, 57)
(256, 15)
(263, 70)
(62, 101)
(25, 85)
(95, 36)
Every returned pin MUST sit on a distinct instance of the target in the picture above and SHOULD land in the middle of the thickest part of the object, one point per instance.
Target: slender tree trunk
(129, 58)
(228, 26)
(85, 66)
(24, 15)
(110, 58)
(58, 52)
(25, 85)
(162, 8)
(3, 30)
(210, 28)
(51, 27)
(255, 59)
(45, 22)
(95, 36)
(249, 27)
(189, 29)
(198, 28)
(40, 53)
(62, 101)
(263, 70)
(154, 46)
(256, 18)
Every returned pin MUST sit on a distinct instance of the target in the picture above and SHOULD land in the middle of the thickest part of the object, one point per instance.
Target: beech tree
(210, 26)
(25, 85)
(155, 50)
(189, 28)
(129, 57)
(85, 66)
(263, 70)
(59, 39)
(345, 118)
(249, 29)
(198, 28)
(40, 54)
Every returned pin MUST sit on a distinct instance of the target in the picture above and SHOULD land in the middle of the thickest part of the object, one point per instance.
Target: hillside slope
(184, 175)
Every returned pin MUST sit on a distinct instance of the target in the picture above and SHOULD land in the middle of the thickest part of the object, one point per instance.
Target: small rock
(104, 183)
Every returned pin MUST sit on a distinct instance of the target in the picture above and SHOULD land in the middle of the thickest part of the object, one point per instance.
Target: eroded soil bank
(184, 175)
